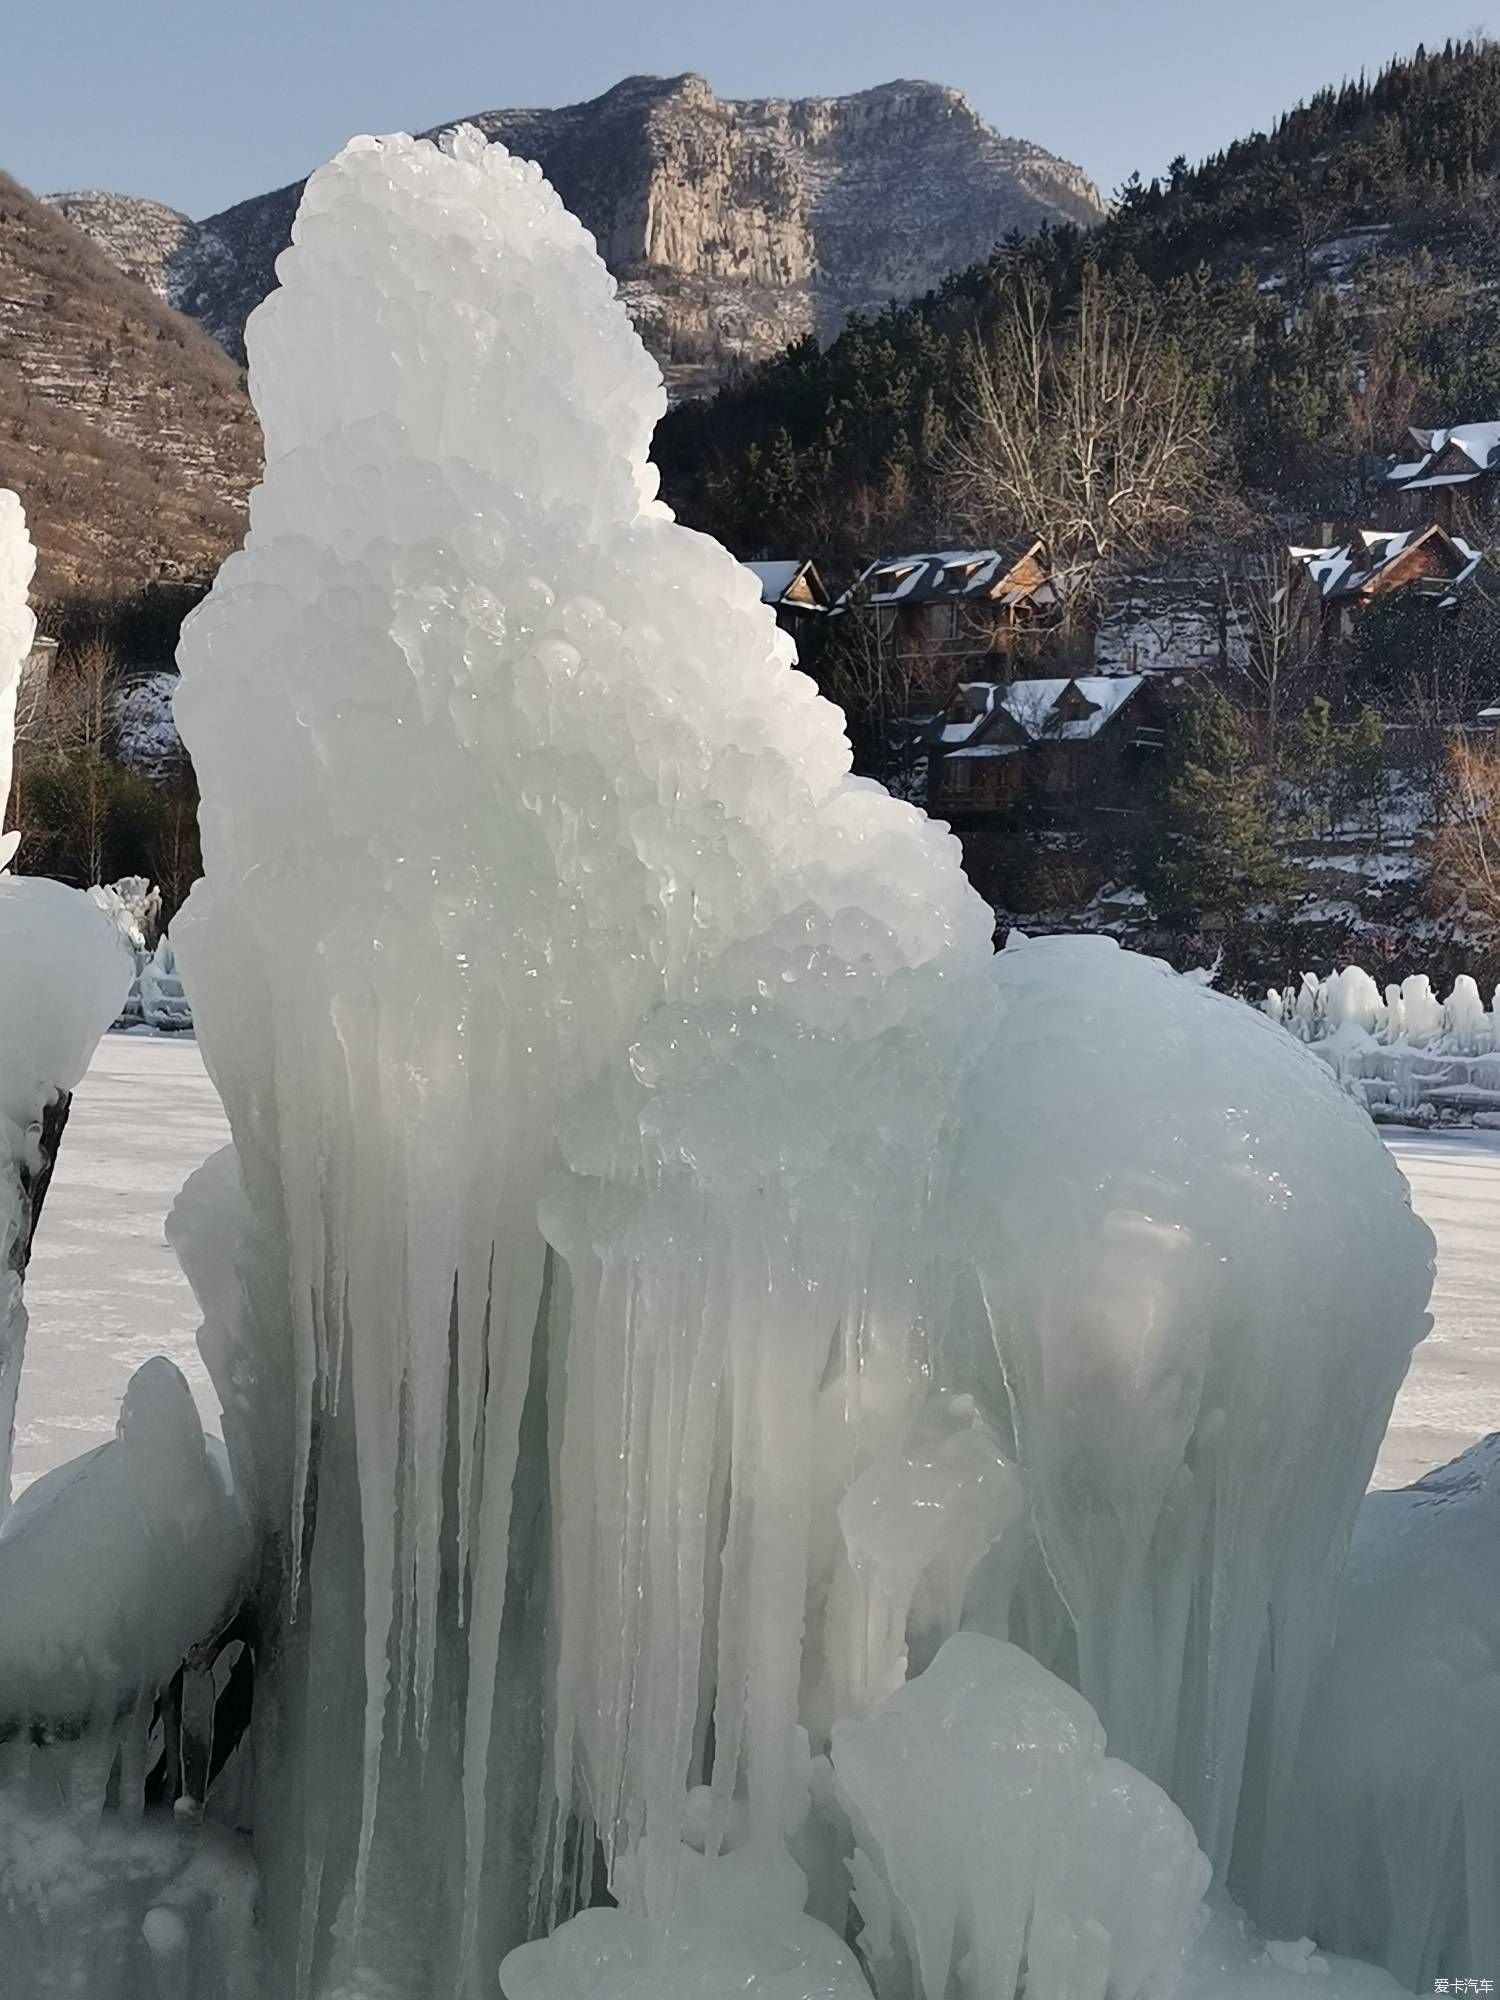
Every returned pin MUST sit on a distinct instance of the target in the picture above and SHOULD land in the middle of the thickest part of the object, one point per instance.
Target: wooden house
(1328, 588)
(796, 593)
(1068, 744)
(963, 612)
(1451, 476)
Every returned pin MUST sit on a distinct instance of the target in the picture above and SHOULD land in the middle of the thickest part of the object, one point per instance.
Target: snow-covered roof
(1035, 704)
(778, 577)
(1479, 443)
(947, 573)
(1353, 566)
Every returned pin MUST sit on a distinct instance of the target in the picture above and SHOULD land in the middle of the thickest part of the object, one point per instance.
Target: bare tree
(1089, 432)
(1465, 882)
(1272, 664)
(884, 688)
(71, 725)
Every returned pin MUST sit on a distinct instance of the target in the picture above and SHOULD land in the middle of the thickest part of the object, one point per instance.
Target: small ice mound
(1230, 1961)
(1200, 1265)
(64, 970)
(998, 1849)
(114, 1566)
(1394, 1852)
(737, 1932)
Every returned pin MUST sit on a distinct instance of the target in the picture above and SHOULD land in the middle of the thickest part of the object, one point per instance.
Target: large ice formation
(573, 902)
(1198, 1263)
(670, 1277)
(62, 977)
(1393, 1848)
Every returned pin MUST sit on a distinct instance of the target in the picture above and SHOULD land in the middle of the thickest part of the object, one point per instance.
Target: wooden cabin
(964, 611)
(1069, 744)
(1451, 476)
(1328, 588)
(796, 593)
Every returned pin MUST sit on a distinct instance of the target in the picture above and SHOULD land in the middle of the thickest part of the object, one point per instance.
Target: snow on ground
(105, 1291)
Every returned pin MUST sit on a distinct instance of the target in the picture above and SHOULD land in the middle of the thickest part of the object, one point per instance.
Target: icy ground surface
(105, 1291)
(1452, 1395)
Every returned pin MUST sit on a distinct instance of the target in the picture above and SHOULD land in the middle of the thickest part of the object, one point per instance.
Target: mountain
(734, 226)
(125, 429)
(143, 237)
(1329, 282)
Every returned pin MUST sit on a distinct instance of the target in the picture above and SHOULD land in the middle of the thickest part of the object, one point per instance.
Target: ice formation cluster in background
(156, 999)
(743, 1399)
(1409, 1055)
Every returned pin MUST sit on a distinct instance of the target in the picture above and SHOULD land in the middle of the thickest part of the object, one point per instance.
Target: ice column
(536, 880)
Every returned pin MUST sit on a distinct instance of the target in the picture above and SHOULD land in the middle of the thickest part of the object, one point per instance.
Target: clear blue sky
(202, 102)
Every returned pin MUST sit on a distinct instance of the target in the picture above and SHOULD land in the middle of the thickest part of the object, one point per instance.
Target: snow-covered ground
(105, 1291)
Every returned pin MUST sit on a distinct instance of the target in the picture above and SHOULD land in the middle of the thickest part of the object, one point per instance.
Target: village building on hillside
(1452, 477)
(964, 611)
(1328, 588)
(1066, 744)
(795, 592)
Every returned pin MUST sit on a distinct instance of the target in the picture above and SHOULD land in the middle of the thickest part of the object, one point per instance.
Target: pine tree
(1209, 851)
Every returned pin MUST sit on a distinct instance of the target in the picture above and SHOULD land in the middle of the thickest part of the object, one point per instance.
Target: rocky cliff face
(142, 237)
(733, 226)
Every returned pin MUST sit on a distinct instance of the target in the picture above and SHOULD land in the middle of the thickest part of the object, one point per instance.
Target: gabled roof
(1356, 566)
(1066, 710)
(1448, 457)
(1069, 711)
(951, 574)
(793, 581)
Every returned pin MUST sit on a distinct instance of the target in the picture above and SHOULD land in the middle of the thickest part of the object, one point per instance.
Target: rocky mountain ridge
(124, 428)
(734, 226)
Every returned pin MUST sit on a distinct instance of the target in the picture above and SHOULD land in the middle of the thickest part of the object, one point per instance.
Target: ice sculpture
(1198, 1264)
(570, 898)
(669, 1276)
(63, 974)
(1393, 1846)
